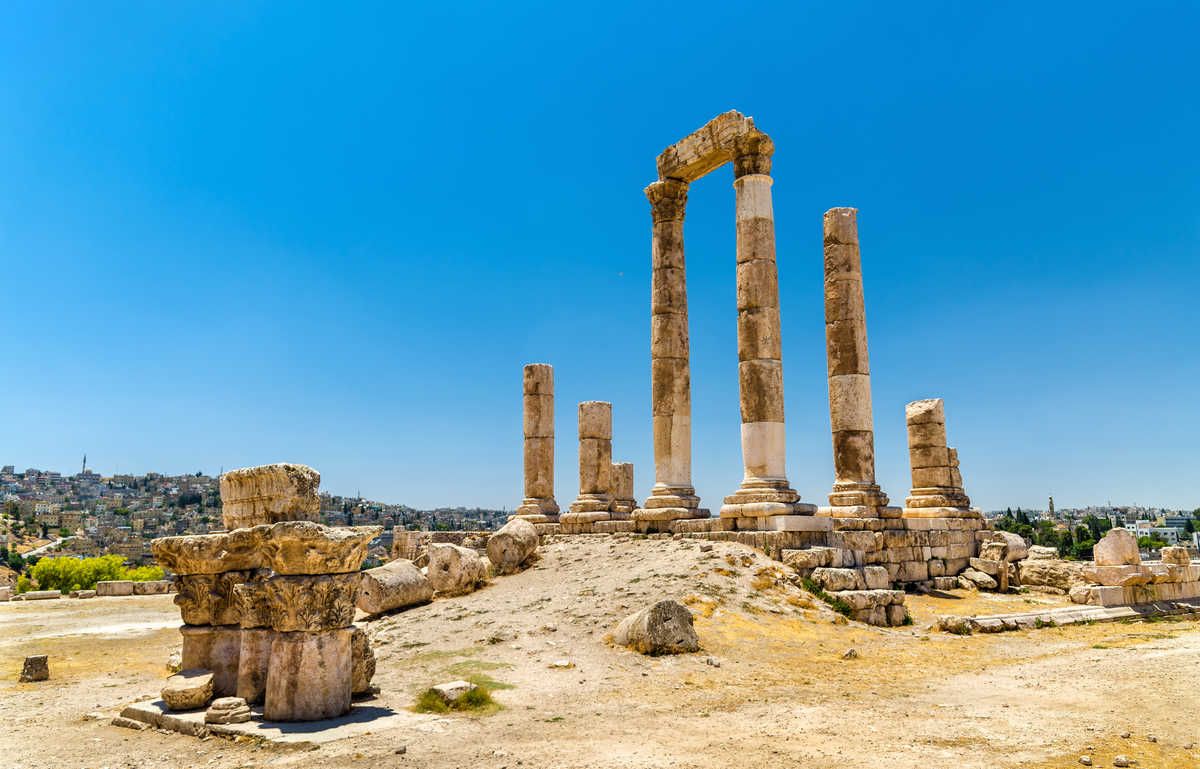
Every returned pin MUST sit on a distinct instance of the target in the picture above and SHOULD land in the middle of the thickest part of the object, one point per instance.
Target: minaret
(84, 468)
(1051, 506)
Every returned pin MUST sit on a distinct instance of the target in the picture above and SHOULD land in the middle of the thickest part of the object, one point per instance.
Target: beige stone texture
(312, 602)
(854, 456)
(926, 434)
(362, 662)
(539, 469)
(211, 553)
(673, 454)
(842, 262)
(303, 547)
(268, 494)
(595, 420)
(666, 247)
(931, 476)
(840, 226)
(227, 710)
(844, 299)
(670, 387)
(757, 285)
(850, 402)
(188, 689)
(761, 390)
(621, 486)
(925, 411)
(668, 291)
(595, 466)
(454, 570)
(216, 649)
(929, 456)
(705, 149)
(846, 347)
(538, 379)
(253, 603)
(253, 657)
(398, 584)
(1118, 547)
(758, 334)
(1176, 555)
(668, 202)
(209, 599)
(539, 416)
(512, 547)
(764, 455)
(664, 628)
(669, 335)
(117, 586)
(309, 676)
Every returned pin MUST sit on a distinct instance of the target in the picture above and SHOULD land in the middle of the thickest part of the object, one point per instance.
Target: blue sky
(236, 233)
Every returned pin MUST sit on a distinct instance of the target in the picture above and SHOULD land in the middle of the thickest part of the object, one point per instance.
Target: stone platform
(1070, 615)
(367, 715)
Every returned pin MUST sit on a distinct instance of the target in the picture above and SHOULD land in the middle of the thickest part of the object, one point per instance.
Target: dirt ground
(768, 688)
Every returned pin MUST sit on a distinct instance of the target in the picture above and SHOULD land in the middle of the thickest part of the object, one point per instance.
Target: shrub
(23, 584)
(835, 603)
(476, 700)
(65, 573)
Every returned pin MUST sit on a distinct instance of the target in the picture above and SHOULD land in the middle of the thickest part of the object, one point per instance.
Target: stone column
(937, 486)
(595, 464)
(623, 502)
(849, 371)
(765, 490)
(268, 494)
(539, 505)
(673, 496)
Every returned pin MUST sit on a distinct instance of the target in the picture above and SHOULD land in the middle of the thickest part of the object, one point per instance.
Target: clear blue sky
(239, 233)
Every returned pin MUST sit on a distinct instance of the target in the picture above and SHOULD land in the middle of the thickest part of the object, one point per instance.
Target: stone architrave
(595, 464)
(765, 490)
(673, 495)
(269, 494)
(623, 503)
(850, 417)
(309, 676)
(937, 485)
(539, 505)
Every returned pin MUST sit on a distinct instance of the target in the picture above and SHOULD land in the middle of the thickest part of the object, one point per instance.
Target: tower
(1052, 506)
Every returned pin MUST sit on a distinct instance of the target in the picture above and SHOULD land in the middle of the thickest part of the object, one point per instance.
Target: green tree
(64, 532)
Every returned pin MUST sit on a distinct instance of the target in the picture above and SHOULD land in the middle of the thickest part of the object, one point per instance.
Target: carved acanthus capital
(668, 199)
(751, 154)
(209, 599)
(311, 603)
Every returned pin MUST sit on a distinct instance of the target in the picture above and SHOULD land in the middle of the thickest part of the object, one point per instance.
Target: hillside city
(44, 512)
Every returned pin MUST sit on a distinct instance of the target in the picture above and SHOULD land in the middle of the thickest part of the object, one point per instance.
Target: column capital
(751, 154)
(668, 199)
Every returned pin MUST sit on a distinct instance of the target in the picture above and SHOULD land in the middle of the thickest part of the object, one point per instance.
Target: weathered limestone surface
(850, 414)
(595, 460)
(309, 676)
(268, 494)
(209, 599)
(935, 476)
(253, 657)
(227, 710)
(36, 667)
(1118, 547)
(239, 550)
(115, 587)
(362, 662)
(538, 401)
(188, 689)
(1176, 555)
(512, 546)
(765, 490)
(454, 570)
(152, 587)
(215, 649)
(311, 602)
(303, 547)
(623, 503)
(397, 584)
(664, 628)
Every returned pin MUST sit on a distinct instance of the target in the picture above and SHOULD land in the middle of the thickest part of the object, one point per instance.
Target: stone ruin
(1119, 578)
(858, 546)
(268, 605)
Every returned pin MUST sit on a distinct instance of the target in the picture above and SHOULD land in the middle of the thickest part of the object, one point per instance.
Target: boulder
(512, 546)
(1062, 575)
(188, 689)
(979, 579)
(1081, 594)
(362, 662)
(36, 668)
(1176, 555)
(454, 570)
(664, 628)
(395, 585)
(454, 691)
(1117, 548)
(1042, 553)
(227, 710)
(831, 579)
(1017, 549)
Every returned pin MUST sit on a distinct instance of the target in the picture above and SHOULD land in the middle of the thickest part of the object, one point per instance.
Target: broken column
(673, 497)
(539, 505)
(595, 465)
(623, 503)
(936, 482)
(269, 494)
(765, 490)
(855, 492)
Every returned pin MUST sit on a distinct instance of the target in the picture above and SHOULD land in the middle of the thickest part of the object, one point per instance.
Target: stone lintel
(705, 149)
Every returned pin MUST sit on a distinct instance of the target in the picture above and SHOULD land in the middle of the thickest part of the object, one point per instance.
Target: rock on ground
(454, 570)
(1117, 548)
(227, 710)
(188, 690)
(395, 585)
(664, 628)
(454, 691)
(362, 661)
(512, 546)
(36, 668)
(979, 579)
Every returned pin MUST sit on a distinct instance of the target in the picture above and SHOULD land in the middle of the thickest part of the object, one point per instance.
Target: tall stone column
(765, 490)
(849, 370)
(673, 496)
(539, 505)
(937, 485)
(595, 464)
(623, 503)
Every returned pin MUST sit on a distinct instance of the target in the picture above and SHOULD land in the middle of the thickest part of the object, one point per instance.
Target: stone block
(876, 578)
(307, 548)
(216, 649)
(114, 587)
(538, 379)
(227, 710)
(1125, 576)
(839, 579)
(254, 655)
(850, 402)
(929, 456)
(808, 559)
(399, 584)
(794, 523)
(188, 690)
(36, 667)
(454, 570)
(152, 587)
(538, 413)
(595, 420)
(1118, 547)
(210, 599)
(309, 676)
(362, 662)
(846, 347)
(926, 434)
(760, 391)
(1176, 555)
(268, 494)
(913, 571)
(927, 411)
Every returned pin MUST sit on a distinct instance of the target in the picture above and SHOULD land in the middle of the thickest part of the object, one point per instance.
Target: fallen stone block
(454, 570)
(227, 710)
(35, 668)
(664, 628)
(1118, 547)
(114, 587)
(188, 690)
(396, 585)
(836, 579)
(512, 547)
(454, 691)
(1176, 555)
